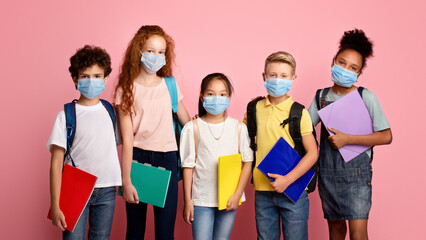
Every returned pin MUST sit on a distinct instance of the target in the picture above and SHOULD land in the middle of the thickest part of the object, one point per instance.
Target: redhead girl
(146, 124)
(345, 187)
(215, 135)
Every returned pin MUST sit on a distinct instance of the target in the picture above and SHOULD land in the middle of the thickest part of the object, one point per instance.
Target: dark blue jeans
(164, 218)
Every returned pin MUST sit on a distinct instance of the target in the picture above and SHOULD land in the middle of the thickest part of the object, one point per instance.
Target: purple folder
(348, 115)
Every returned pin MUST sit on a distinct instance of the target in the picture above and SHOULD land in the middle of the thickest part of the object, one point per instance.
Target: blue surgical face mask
(91, 87)
(152, 63)
(342, 76)
(216, 105)
(277, 87)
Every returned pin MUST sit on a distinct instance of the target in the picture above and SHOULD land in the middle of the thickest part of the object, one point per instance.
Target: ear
(201, 98)
(294, 78)
(106, 80)
(75, 80)
(263, 76)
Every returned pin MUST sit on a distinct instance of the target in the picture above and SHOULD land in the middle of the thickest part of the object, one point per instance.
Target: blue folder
(281, 159)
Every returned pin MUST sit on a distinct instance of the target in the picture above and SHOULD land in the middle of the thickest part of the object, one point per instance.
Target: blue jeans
(100, 211)
(270, 206)
(164, 218)
(211, 223)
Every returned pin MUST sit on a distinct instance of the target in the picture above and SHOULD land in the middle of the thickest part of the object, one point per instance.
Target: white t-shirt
(94, 148)
(204, 182)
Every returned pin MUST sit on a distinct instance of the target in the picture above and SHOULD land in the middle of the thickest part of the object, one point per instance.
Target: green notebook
(151, 183)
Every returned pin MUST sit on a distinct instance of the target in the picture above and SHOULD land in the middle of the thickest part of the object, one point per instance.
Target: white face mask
(152, 63)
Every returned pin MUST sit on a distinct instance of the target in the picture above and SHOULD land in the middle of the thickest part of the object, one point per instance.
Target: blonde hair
(281, 57)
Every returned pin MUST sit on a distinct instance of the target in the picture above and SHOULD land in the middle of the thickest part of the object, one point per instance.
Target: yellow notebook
(229, 171)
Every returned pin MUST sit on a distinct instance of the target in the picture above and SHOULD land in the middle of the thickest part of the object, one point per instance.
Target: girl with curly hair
(146, 123)
(345, 187)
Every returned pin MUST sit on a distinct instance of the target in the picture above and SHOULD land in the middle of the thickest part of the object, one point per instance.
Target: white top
(204, 182)
(152, 119)
(94, 148)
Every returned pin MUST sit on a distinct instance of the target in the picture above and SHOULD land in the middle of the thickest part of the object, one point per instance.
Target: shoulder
(260, 102)
(189, 126)
(368, 96)
(232, 120)
(61, 114)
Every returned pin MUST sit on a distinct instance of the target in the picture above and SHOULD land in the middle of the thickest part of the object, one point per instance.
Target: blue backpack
(71, 124)
(171, 86)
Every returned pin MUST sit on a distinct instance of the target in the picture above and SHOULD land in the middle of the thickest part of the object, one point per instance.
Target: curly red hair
(132, 64)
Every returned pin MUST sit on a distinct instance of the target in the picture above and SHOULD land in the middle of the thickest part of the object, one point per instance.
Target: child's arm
(282, 182)
(245, 176)
(341, 139)
(183, 114)
(56, 164)
(129, 192)
(188, 209)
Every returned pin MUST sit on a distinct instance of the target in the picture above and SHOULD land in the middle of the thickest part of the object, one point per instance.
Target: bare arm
(56, 164)
(188, 210)
(129, 192)
(341, 139)
(183, 114)
(282, 182)
(244, 177)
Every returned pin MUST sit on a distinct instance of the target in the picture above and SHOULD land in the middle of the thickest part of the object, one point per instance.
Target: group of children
(148, 132)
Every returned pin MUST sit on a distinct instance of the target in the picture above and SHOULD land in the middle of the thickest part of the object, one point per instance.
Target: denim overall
(344, 187)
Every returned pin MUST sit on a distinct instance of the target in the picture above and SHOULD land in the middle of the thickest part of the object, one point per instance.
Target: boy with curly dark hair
(93, 149)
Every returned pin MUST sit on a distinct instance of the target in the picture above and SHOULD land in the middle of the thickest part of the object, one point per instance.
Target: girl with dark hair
(145, 113)
(345, 187)
(203, 141)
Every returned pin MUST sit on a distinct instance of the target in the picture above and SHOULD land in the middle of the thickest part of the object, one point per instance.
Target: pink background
(233, 37)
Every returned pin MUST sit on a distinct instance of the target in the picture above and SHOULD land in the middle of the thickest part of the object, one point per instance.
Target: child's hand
(232, 202)
(58, 218)
(281, 182)
(188, 212)
(130, 194)
(194, 117)
(339, 139)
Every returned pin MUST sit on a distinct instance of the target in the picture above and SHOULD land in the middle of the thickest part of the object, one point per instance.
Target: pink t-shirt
(152, 117)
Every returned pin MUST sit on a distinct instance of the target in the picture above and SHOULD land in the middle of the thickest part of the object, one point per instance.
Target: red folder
(76, 189)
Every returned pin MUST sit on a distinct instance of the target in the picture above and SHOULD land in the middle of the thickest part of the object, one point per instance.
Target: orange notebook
(76, 189)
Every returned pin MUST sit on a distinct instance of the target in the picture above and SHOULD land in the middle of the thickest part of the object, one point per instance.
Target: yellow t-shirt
(268, 119)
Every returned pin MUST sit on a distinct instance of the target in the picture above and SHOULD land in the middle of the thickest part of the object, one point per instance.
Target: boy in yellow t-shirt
(270, 203)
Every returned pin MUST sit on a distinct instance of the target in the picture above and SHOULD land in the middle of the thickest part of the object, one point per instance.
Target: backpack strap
(295, 118)
(171, 86)
(240, 125)
(252, 122)
(320, 96)
(196, 136)
(71, 123)
(252, 128)
(360, 90)
(294, 127)
(113, 116)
